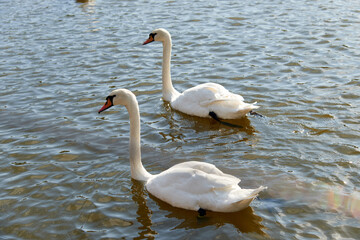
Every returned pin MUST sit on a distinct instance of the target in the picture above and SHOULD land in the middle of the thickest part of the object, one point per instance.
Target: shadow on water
(245, 221)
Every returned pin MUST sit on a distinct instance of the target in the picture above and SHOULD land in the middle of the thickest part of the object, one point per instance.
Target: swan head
(159, 34)
(118, 97)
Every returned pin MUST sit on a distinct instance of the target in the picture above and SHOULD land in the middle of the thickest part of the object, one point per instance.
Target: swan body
(190, 185)
(202, 99)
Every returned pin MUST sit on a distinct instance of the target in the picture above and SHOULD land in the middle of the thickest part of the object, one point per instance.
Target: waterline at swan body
(190, 185)
(202, 99)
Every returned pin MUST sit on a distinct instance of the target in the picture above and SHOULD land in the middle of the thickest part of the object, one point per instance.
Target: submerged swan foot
(214, 116)
(202, 212)
(255, 114)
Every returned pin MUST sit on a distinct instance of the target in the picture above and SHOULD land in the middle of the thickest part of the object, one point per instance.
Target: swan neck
(138, 171)
(168, 90)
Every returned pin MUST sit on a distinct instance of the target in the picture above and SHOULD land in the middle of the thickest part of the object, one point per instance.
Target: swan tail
(248, 107)
(252, 112)
(254, 193)
(251, 195)
(253, 105)
(245, 202)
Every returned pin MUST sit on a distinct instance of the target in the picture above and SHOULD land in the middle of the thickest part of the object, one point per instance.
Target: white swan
(190, 185)
(200, 100)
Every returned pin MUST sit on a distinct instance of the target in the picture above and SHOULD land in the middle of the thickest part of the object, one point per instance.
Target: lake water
(64, 169)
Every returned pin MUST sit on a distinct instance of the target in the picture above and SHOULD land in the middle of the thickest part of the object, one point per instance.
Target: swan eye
(152, 35)
(110, 98)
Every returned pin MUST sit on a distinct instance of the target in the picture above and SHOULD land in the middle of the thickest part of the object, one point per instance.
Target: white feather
(202, 99)
(189, 185)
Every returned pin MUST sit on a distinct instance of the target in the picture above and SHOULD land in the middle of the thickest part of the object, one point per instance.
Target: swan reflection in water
(143, 212)
(244, 221)
(87, 6)
(179, 126)
(85, 1)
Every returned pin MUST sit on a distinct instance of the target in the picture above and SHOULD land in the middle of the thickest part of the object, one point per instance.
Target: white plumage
(202, 99)
(190, 185)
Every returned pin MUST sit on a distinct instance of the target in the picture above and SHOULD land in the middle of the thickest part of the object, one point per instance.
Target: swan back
(212, 97)
(193, 185)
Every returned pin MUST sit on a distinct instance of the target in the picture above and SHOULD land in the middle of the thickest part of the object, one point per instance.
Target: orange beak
(107, 105)
(149, 40)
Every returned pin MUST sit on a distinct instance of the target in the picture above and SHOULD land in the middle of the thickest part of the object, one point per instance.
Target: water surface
(64, 169)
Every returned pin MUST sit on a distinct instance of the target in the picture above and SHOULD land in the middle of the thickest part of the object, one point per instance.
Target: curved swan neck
(138, 171)
(169, 93)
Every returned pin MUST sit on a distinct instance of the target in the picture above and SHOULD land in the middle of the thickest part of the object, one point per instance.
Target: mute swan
(190, 185)
(204, 100)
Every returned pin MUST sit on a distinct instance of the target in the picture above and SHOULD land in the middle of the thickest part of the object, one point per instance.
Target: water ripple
(65, 171)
